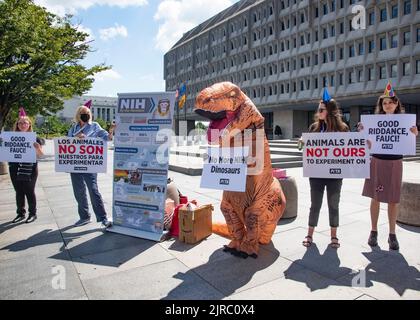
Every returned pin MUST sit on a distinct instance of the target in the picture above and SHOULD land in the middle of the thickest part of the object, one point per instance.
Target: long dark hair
(334, 120)
(379, 105)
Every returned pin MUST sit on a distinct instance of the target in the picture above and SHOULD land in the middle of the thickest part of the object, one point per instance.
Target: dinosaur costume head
(251, 216)
(227, 108)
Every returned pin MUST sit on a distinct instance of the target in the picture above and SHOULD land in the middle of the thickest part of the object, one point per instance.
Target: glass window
(351, 51)
(394, 41)
(383, 15)
(372, 18)
(393, 70)
(382, 72)
(394, 11)
(383, 43)
(407, 38)
(406, 68)
(361, 49)
(407, 7)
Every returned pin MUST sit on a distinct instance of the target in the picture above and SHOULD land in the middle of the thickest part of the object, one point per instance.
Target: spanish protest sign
(390, 134)
(141, 162)
(335, 155)
(17, 146)
(74, 155)
(225, 169)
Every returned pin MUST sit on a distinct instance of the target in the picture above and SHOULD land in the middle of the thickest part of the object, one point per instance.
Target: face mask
(85, 117)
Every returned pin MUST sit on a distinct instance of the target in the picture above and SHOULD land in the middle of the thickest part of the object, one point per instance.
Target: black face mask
(85, 117)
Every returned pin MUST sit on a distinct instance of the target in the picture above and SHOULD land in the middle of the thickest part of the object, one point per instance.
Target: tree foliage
(40, 55)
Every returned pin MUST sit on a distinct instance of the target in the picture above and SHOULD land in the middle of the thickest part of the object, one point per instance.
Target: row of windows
(357, 75)
(390, 11)
(333, 54)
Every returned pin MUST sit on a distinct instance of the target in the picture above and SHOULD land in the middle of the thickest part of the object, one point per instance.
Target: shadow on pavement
(317, 262)
(225, 272)
(97, 250)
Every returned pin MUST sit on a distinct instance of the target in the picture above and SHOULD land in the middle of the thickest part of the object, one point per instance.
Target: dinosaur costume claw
(251, 216)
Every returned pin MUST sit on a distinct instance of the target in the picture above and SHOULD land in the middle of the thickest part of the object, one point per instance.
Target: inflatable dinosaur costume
(251, 216)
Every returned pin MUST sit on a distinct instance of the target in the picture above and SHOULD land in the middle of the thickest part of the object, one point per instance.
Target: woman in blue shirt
(84, 127)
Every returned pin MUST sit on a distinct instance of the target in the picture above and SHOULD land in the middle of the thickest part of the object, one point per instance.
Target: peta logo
(335, 171)
(224, 182)
(387, 146)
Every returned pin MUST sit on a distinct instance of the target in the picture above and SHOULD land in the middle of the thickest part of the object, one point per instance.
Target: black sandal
(336, 244)
(307, 242)
(373, 239)
(393, 242)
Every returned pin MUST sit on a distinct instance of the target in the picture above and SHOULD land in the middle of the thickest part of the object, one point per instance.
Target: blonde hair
(79, 112)
(26, 118)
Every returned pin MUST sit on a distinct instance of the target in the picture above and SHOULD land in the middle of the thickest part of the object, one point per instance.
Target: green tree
(40, 56)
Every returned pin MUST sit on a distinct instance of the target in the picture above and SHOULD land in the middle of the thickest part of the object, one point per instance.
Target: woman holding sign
(83, 128)
(385, 180)
(328, 119)
(24, 175)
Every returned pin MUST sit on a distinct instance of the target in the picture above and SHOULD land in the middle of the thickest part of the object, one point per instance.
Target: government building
(282, 53)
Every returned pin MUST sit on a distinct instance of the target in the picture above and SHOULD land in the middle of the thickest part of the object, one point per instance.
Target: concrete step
(282, 145)
(285, 165)
(276, 158)
(412, 158)
(286, 151)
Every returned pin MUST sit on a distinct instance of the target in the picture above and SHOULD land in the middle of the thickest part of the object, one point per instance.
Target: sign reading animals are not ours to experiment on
(17, 146)
(390, 134)
(141, 161)
(335, 155)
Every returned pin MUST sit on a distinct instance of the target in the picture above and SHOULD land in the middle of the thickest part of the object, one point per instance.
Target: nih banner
(141, 161)
(390, 134)
(73, 155)
(17, 146)
(335, 155)
(225, 169)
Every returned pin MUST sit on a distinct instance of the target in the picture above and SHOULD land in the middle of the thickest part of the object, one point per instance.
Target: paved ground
(33, 258)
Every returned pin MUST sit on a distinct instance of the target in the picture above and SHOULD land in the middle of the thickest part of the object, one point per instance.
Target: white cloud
(84, 29)
(178, 16)
(112, 32)
(107, 75)
(62, 7)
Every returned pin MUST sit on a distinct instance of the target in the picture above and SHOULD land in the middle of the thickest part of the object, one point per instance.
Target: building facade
(102, 108)
(282, 53)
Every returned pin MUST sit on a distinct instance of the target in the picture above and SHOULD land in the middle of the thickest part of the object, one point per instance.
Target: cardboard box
(195, 225)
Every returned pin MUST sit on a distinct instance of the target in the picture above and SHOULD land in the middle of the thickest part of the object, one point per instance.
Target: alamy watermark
(58, 282)
(358, 22)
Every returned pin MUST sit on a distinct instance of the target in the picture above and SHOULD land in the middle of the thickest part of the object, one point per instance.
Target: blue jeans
(79, 182)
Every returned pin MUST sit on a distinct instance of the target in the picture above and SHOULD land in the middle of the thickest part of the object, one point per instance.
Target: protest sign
(335, 155)
(17, 146)
(141, 161)
(390, 134)
(225, 169)
(74, 155)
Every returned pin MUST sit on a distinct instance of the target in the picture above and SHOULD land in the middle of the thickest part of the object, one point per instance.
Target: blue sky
(132, 36)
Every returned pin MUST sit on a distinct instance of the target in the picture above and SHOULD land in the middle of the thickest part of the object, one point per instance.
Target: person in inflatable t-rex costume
(251, 216)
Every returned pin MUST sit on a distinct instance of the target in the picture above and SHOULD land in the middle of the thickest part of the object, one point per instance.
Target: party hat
(389, 91)
(22, 112)
(88, 104)
(326, 96)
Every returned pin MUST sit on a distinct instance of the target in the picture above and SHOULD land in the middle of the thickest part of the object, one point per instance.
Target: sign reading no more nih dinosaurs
(225, 169)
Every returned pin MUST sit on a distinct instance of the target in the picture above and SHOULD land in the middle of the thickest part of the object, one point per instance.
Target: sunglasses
(23, 123)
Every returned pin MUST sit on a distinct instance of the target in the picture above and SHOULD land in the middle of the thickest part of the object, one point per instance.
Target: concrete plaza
(99, 265)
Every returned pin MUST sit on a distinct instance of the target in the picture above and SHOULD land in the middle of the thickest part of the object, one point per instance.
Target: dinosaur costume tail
(221, 229)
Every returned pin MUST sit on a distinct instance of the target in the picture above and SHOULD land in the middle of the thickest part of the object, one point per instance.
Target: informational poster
(17, 146)
(225, 169)
(141, 160)
(390, 134)
(335, 155)
(75, 155)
